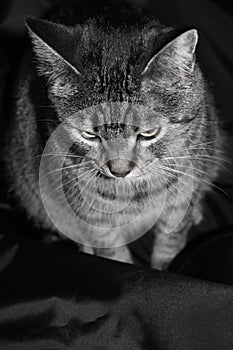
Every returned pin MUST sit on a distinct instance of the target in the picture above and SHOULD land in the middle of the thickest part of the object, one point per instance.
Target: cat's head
(98, 65)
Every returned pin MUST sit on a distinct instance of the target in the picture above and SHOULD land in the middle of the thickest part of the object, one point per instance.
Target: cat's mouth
(102, 174)
(110, 196)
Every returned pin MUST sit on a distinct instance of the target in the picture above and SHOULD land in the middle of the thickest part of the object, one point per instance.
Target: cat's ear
(55, 46)
(178, 56)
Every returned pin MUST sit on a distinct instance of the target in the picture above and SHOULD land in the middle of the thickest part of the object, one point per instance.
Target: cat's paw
(53, 237)
(197, 214)
(119, 254)
(87, 249)
(161, 265)
(161, 261)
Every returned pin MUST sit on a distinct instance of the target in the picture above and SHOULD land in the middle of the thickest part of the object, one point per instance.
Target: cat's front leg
(119, 254)
(168, 245)
(86, 249)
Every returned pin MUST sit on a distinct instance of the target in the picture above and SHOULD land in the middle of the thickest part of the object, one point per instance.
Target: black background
(57, 298)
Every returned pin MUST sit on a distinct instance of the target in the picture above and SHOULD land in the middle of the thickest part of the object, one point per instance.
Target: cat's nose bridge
(119, 156)
(119, 148)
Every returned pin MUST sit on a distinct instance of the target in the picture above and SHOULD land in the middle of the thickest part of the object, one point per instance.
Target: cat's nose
(120, 167)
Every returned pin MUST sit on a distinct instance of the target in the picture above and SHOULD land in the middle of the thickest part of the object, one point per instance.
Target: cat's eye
(88, 135)
(150, 133)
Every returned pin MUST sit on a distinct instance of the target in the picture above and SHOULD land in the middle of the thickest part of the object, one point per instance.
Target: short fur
(91, 55)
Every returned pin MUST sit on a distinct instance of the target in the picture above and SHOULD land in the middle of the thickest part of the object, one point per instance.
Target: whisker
(199, 157)
(68, 196)
(189, 167)
(79, 166)
(198, 179)
(66, 183)
(74, 185)
(90, 204)
(167, 176)
(203, 160)
(85, 186)
(58, 154)
(161, 172)
(195, 152)
(219, 165)
(193, 147)
(148, 167)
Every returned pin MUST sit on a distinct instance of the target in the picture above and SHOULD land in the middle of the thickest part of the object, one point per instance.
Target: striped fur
(96, 63)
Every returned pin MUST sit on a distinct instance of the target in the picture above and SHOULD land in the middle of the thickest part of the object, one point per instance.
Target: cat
(126, 77)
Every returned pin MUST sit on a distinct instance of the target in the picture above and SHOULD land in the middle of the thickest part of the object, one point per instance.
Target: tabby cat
(140, 125)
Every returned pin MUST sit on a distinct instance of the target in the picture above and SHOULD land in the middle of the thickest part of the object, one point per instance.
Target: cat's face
(124, 108)
(120, 138)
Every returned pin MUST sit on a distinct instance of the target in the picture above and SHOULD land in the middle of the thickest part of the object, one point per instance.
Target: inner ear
(54, 40)
(179, 54)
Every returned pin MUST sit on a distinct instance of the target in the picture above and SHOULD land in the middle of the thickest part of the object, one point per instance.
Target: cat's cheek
(75, 134)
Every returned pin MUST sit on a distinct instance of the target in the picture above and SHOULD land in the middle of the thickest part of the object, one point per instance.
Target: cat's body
(115, 61)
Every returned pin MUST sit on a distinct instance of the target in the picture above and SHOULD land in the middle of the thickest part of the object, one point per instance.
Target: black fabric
(53, 297)
(57, 298)
(209, 258)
